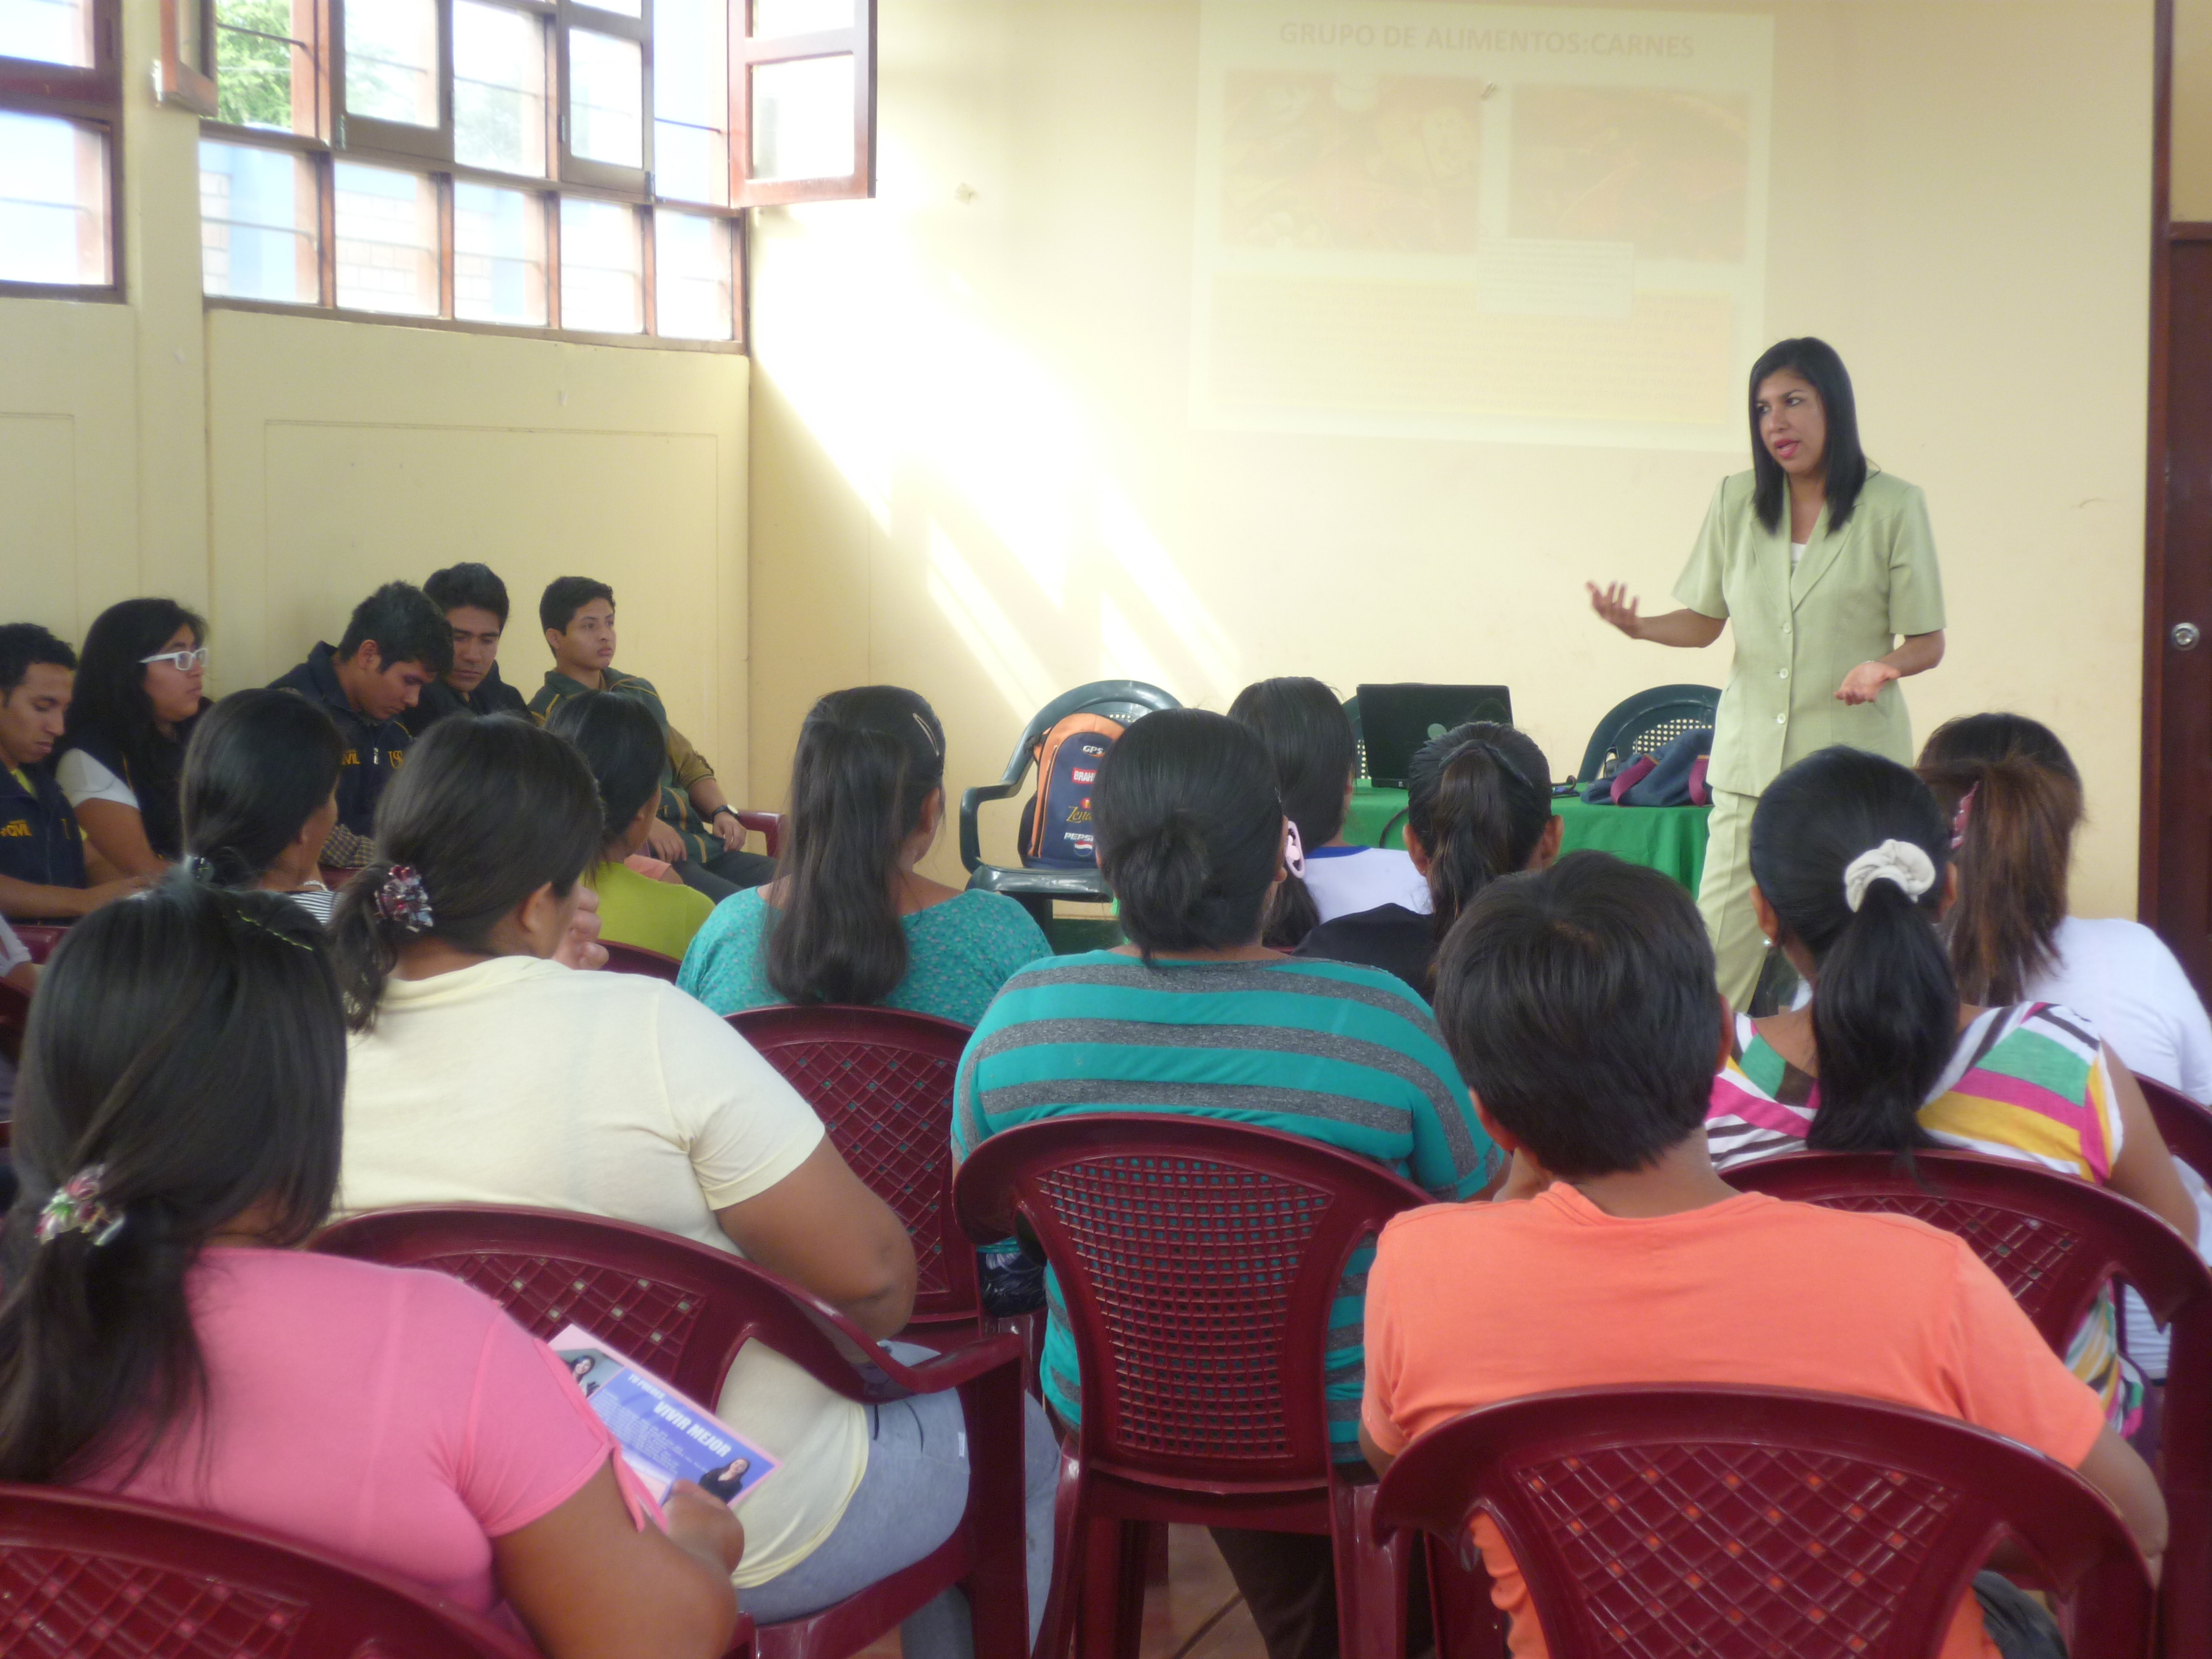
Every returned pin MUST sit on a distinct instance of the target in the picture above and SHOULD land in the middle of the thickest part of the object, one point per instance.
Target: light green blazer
(1798, 633)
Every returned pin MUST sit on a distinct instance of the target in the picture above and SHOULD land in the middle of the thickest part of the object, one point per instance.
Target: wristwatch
(719, 811)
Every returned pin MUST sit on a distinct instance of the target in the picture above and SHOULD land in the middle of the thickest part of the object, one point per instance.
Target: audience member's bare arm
(1380, 1460)
(580, 946)
(2113, 1468)
(2144, 1170)
(1689, 629)
(822, 1227)
(118, 833)
(706, 795)
(30, 901)
(590, 1584)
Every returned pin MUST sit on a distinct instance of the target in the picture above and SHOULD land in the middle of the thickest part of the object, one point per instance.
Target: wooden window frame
(91, 95)
(187, 78)
(429, 152)
(747, 53)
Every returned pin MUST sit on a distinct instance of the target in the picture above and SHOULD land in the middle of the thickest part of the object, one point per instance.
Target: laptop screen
(1394, 720)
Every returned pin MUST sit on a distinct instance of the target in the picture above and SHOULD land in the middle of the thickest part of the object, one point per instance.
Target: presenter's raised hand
(1864, 683)
(1613, 603)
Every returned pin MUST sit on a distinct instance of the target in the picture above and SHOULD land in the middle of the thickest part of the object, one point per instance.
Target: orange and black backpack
(1056, 822)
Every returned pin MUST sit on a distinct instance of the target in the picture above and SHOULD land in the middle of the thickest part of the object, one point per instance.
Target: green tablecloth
(1668, 838)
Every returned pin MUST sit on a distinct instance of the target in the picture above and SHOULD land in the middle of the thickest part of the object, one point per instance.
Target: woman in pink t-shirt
(177, 1131)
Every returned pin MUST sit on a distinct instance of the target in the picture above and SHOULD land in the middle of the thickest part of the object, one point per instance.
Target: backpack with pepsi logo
(1057, 823)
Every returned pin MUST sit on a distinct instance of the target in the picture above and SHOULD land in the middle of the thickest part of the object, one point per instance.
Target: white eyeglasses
(182, 661)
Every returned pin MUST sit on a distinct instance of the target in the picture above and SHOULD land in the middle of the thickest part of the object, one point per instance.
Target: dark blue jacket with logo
(39, 840)
(374, 749)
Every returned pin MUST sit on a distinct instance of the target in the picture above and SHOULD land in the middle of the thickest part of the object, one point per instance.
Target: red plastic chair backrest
(881, 1081)
(1740, 1523)
(1197, 1261)
(92, 1576)
(637, 959)
(2185, 1126)
(679, 1308)
(770, 825)
(2053, 1240)
(39, 937)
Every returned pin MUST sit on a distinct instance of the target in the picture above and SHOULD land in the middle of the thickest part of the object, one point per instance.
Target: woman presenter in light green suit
(1827, 570)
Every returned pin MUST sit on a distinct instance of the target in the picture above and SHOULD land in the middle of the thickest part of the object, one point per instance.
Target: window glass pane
(50, 31)
(606, 98)
(602, 269)
(691, 100)
(392, 61)
(258, 224)
(621, 8)
(498, 88)
(53, 201)
(387, 225)
(262, 54)
(803, 120)
(691, 289)
(499, 255)
(772, 18)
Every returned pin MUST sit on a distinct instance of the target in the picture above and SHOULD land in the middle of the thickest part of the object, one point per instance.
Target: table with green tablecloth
(1668, 838)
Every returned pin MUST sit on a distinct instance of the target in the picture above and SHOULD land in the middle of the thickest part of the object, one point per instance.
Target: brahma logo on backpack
(1067, 766)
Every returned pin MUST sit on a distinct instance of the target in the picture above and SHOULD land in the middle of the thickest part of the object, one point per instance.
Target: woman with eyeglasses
(123, 748)
(849, 919)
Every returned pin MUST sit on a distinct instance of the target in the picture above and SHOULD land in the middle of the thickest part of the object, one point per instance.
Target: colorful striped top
(2029, 1083)
(1335, 1052)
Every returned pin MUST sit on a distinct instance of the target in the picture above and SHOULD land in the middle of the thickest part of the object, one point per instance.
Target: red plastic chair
(2185, 1126)
(1740, 1523)
(770, 826)
(85, 1575)
(39, 937)
(2056, 1242)
(685, 1311)
(637, 959)
(881, 1081)
(1197, 1261)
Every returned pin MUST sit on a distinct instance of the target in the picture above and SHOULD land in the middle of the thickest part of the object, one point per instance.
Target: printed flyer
(665, 1436)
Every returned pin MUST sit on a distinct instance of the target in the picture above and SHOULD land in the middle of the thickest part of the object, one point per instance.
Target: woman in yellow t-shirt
(620, 742)
(1827, 568)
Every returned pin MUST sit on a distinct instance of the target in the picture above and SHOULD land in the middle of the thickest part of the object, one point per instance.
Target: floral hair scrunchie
(401, 900)
(76, 1207)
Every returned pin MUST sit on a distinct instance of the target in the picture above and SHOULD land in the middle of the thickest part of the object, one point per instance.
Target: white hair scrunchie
(1899, 861)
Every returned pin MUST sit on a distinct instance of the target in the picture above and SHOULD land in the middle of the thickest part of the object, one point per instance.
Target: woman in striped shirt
(1850, 855)
(1195, 1017)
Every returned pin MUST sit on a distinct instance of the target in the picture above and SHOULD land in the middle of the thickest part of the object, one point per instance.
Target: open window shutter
(803, 98)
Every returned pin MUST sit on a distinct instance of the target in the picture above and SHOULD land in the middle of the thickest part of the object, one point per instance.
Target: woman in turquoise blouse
(848, 920)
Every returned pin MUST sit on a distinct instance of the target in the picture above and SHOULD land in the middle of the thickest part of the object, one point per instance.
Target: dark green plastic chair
(1643, 725)
(1125, 700)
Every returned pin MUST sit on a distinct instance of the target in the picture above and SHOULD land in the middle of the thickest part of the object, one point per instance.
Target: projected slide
(1523, 224)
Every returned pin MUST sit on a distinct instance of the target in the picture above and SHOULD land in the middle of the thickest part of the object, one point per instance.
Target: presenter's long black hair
(1816, 362)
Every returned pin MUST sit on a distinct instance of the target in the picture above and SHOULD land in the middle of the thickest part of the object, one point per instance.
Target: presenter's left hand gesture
(1864, 683)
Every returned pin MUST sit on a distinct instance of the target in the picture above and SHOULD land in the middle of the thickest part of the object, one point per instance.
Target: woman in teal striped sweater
(1194, 1016)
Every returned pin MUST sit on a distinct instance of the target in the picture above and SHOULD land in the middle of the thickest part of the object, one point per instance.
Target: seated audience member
(178, 1137)
(620, 742)
(1316, 758)
(19, 974)
(849, 918)
(485, 1074)
(1477, 807)
(395, 644)
(1196, 1017)
(137, 694)
(696, 832)
(43, 872)
(2014, 801)
(260, 795)
(474, 600)
(1847, 861)
(1580, 1004)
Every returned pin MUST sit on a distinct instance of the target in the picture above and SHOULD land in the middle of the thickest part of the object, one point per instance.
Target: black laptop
(1394, 720)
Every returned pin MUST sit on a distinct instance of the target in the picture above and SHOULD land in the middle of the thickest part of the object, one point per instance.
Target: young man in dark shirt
(396, 643)
(474, 600)
(697, 831)
(43, 872)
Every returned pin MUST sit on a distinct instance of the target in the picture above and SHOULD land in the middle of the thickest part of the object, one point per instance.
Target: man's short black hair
(22, 645)
(405, 625)
(565, 596)
(476, 585)
(1581, 1007)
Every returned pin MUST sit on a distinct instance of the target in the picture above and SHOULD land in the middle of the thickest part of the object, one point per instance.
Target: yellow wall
(272, 469)
(975, 472)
